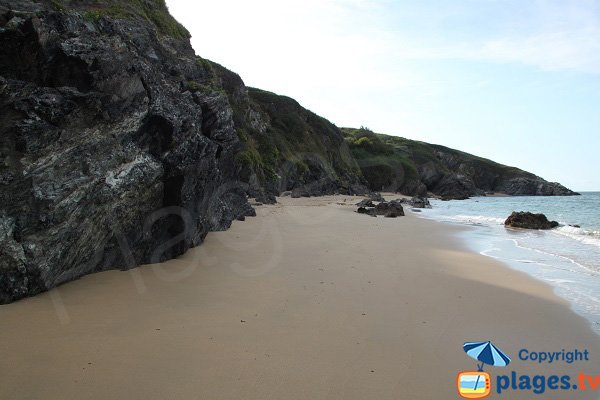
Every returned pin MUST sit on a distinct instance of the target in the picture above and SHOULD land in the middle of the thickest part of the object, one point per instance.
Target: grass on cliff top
(296, 131)
(374, 150)
(377, 147)
(154, 11)
(294, 135)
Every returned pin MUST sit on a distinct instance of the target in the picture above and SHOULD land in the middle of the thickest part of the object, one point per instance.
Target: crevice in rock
(172, 190)
(209, 120)
(147, 88)
(172, 224)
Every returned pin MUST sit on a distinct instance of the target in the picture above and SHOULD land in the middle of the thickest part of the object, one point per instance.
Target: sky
(516, 81)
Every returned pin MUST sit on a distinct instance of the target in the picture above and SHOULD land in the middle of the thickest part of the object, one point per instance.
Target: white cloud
(551, 35)
(576, 51)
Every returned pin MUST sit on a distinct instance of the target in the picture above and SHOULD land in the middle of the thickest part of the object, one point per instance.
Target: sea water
(567, 257)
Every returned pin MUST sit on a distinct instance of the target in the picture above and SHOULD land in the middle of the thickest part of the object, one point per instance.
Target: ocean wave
(478, 219)
(531, 240)
(580, 234)
(570, 260)
(488, 251)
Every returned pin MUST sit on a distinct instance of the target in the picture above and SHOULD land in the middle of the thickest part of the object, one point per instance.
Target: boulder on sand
(529, 220)
(392, 207)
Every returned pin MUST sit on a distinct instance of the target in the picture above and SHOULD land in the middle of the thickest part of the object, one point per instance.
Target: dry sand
(309, 300)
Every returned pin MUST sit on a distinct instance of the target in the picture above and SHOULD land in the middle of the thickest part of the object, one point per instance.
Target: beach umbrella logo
(477, 384)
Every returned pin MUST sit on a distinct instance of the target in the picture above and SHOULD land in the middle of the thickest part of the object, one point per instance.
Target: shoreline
(566, 262)
(307, 300)
(530, 268)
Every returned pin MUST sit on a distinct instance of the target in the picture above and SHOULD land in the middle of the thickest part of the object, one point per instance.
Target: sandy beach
(308, 300)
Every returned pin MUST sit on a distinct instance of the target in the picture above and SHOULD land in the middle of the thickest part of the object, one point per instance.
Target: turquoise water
(567, 257)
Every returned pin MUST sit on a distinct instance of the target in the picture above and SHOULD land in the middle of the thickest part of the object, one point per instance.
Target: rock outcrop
(389, 209)
(529, 220)
(117, 146)
(417, 202)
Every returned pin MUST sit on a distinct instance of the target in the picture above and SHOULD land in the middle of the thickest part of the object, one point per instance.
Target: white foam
(580, 234)
(478, 219)
(547, 253)
(488, 251)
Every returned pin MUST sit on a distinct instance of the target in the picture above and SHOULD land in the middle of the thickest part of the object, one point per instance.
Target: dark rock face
(528, 220)
(111, 157)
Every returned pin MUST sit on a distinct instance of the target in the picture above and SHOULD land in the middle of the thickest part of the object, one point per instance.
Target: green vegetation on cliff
(383, 163)
(287, 146)
(283, 131)
(283, 145)
(393, 163)
(154, 11)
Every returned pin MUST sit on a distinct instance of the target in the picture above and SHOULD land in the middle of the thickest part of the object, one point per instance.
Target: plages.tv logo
(478, 384)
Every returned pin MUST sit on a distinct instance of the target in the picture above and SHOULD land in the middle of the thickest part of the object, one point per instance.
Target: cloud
(550, 35)
(576, 51)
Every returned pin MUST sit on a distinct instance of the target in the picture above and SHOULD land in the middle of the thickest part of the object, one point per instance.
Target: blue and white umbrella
(486, 353)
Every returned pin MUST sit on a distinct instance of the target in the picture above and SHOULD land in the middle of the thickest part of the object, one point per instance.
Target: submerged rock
(529, 220)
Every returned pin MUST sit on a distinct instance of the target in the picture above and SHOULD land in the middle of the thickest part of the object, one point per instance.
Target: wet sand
(308, 300)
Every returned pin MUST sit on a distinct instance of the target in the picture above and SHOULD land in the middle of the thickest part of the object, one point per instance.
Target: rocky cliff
(117, 149)
(391, 163)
